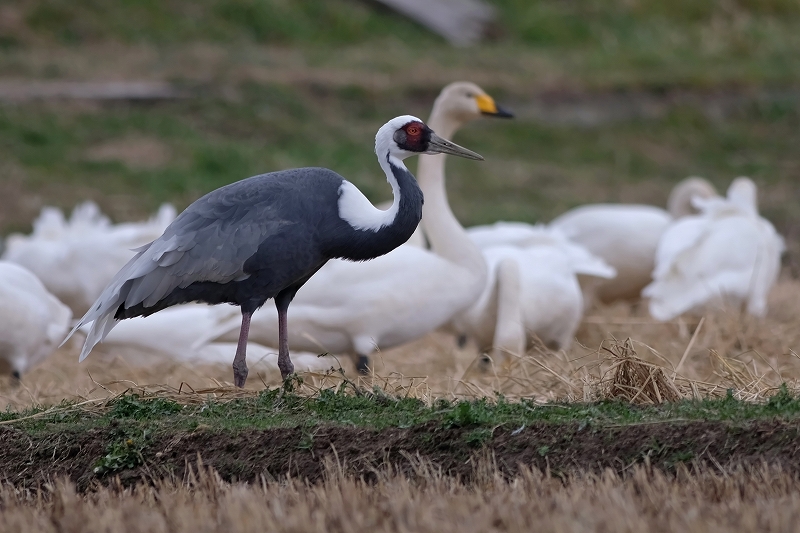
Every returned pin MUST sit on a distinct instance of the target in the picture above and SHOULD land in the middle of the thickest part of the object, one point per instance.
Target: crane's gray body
(247, 242)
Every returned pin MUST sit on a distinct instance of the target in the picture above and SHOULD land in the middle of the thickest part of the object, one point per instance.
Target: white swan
(262, 356)
(727, 254)
(624, 235)
(532, 289)
(75, 259)
(185, 333)
(354, 308)
(32, 321)
(180, 332)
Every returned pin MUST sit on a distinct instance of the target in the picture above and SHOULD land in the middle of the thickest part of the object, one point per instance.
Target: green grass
(642, 42)
(135, 417)
(272, 21)
(533, 171)
(299, 83)
(130, 424)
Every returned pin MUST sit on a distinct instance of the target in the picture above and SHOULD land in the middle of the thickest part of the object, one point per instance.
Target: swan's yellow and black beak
(487, 106)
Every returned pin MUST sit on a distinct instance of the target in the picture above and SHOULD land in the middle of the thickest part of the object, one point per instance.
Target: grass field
(614, 101)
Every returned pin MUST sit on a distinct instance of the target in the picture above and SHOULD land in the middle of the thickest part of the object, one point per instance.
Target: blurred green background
(616, 100)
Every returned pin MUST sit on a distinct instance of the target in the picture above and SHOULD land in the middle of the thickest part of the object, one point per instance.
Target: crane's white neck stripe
(358, 211)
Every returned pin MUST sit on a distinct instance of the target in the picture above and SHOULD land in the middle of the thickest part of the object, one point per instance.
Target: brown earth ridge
(305, 453)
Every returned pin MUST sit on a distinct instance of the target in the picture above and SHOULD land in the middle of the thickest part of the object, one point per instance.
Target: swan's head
(463, 101)
(13, 367)
(407, 135)
(681, 199)
(744, 194)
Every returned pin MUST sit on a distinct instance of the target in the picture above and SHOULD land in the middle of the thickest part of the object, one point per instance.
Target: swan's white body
(727, 254)
(356, 308)
(75, 259)
(533, 289)
(180, 332)
(32, 321)
(220, 352)
(185, 333)
(624, 236)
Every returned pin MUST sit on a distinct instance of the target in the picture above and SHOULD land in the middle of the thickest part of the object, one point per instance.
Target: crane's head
(462, 101)
(406, 135)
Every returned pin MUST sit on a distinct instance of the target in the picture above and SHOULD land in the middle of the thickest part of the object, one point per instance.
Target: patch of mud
(302, 452)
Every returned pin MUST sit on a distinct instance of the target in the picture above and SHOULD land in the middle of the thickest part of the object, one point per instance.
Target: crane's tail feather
(102, 313)
(98, 331)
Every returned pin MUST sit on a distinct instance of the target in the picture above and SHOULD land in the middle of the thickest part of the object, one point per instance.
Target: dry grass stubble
(729, 350)
(665, 361)
(760, 500)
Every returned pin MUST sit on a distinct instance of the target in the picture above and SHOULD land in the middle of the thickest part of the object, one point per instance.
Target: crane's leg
(239, 363)
(284, 361)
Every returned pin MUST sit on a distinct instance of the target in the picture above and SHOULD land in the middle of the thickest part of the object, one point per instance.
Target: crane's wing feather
(211, 240)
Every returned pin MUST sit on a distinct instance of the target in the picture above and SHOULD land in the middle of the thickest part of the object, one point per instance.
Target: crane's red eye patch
(413, 130)
(414, 137)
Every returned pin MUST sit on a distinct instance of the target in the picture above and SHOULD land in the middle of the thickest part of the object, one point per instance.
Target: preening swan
(626, 236)
(727, 254)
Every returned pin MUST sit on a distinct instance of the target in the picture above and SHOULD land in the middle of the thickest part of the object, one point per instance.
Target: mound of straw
(636, 381)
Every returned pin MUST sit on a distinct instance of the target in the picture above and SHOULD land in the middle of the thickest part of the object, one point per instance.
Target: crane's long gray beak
(437, 145)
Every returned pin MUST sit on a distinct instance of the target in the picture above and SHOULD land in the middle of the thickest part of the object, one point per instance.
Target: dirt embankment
(30, 461)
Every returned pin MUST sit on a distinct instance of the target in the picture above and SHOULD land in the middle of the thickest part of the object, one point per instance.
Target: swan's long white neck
(445, 234)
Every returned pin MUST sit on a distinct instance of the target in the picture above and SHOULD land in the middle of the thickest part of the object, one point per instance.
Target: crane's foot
(362, 365)
(286, 367)
(239, 374)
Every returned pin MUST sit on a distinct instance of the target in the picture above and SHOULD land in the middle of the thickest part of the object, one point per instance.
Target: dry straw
(750, 500)
(692, 357)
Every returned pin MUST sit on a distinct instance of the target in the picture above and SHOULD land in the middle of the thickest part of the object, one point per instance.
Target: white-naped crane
(356, 308)
(726, 255)
(32, 321)
(264, 237)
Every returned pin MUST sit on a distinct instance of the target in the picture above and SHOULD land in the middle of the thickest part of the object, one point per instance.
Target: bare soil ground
(560, 449)
(748, 357)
